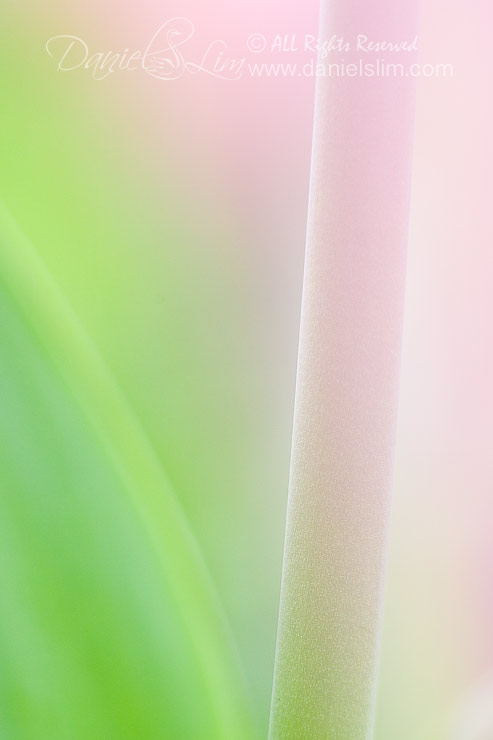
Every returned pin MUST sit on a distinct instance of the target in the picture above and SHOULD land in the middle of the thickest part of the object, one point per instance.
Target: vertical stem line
(347, 381)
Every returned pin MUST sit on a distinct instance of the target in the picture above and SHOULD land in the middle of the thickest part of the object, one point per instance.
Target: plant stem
(347, 384)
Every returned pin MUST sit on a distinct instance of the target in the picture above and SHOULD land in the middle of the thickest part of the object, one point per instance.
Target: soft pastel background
(153, 348)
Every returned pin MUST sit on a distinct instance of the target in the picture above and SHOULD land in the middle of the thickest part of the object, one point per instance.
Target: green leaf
(110, 626)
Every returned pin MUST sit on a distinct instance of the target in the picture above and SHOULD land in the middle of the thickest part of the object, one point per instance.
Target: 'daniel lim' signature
(163, 58)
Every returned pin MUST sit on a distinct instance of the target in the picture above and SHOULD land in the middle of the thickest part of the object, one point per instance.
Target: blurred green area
(92, 644)
(140, 554)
